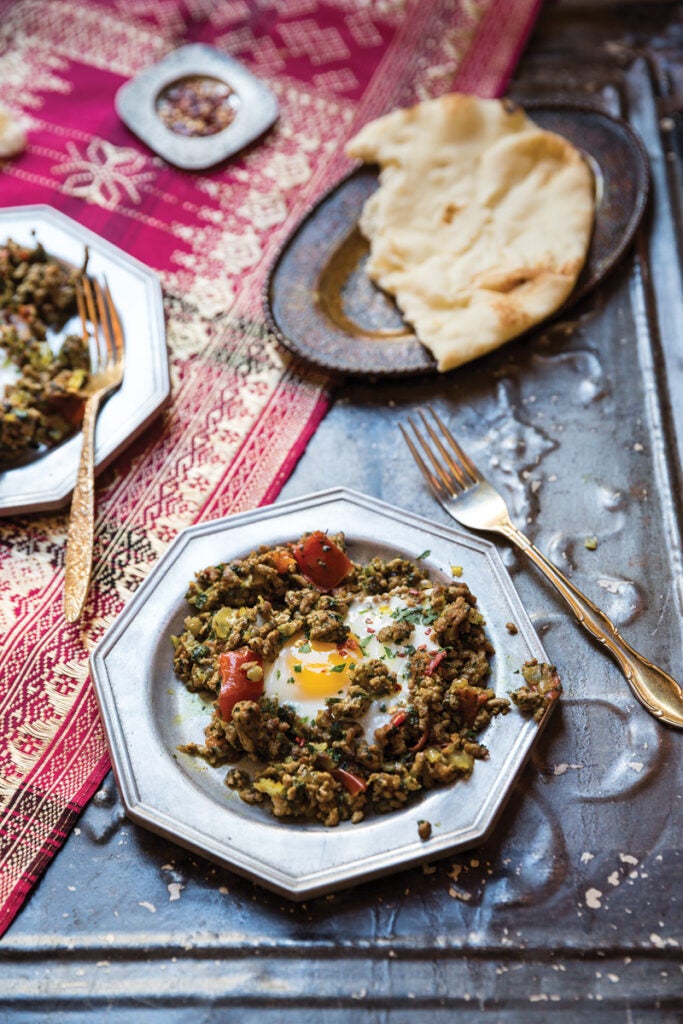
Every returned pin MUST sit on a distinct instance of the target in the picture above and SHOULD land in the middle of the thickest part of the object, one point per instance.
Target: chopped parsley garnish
(419, 615)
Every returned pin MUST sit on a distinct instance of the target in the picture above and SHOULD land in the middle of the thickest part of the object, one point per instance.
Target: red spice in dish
(197, 105)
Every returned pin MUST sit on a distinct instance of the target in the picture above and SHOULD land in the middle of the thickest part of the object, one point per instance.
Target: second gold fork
(96, 306)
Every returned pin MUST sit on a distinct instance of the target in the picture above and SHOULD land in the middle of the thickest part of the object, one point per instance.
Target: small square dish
(196, 107)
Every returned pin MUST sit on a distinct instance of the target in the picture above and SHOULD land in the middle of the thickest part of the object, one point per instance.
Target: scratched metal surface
(573, 905)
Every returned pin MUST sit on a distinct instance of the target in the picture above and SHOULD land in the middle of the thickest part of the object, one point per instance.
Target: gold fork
(470, 499)
(96, 306)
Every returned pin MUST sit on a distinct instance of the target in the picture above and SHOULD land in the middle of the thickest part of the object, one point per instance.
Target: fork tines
(96, 305)
(459, 470)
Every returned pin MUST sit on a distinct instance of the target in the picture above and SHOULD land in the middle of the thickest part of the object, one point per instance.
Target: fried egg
(308, 672)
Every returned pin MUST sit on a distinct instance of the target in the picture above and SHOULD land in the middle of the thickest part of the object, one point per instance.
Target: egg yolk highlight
(319, 668)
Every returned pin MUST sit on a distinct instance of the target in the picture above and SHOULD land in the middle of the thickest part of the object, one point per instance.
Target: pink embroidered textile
(241, 410)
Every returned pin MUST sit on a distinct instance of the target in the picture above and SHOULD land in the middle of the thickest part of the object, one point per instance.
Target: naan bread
(481, 222)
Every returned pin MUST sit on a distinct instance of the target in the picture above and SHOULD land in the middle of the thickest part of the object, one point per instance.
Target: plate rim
(325, 877)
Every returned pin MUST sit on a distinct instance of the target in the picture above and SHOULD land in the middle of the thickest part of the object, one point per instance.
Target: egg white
(305, 673)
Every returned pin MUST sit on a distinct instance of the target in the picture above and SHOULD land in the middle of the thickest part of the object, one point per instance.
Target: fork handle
(654, 688)
(80, 537)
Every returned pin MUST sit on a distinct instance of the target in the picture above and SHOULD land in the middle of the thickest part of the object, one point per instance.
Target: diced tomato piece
(321, 561)
(237, 669)
(352, 783)
(398, 719)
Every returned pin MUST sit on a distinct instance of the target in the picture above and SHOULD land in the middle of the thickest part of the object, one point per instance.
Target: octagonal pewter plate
(148, 713)
(45, 479)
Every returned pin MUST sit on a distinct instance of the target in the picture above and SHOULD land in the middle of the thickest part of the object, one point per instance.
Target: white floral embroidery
(82, 31)
(289, 169)
(104, 174)
(238, 252)
(211, 296)
(264, 210)
(186, 339)
(28, 71)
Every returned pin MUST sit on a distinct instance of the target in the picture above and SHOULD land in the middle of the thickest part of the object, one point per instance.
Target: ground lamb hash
(328, 766)
(42, 405)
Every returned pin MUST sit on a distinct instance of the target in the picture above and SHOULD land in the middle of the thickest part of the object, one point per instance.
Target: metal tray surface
(257, 110)
(148, 713)
(322, 306)
(46, 479)
(570, 910)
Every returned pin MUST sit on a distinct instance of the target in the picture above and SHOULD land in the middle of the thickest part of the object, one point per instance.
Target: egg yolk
(321, 669)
